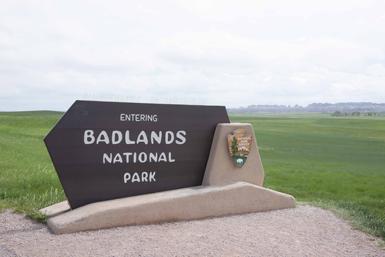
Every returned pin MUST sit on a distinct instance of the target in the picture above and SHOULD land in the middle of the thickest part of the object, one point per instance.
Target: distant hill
(37, 113)
(350, 107)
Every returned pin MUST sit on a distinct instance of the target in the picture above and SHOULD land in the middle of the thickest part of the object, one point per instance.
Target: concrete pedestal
(220, 169)
(174, 205)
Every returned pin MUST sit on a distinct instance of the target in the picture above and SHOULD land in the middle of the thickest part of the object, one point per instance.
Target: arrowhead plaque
(239, 146)
(105, 150)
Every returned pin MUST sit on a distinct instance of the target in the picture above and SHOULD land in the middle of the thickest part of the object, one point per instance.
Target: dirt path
(304, 231)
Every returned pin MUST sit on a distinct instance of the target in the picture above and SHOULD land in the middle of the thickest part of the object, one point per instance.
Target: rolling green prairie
(336, 163)
(27, 178)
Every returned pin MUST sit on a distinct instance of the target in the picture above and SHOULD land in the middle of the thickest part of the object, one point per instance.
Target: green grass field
(336, 163)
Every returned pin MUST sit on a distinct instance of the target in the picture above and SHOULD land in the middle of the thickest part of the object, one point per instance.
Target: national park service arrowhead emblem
(239, 146)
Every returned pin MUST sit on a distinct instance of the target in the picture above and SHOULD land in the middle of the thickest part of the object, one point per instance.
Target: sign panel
(106, 150)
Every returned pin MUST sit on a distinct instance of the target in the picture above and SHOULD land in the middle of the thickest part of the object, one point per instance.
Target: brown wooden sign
(106, 150)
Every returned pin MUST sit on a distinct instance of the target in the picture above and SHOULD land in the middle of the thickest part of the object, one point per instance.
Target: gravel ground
(303, 231)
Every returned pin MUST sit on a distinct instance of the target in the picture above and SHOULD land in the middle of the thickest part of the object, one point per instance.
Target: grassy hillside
(337, 163)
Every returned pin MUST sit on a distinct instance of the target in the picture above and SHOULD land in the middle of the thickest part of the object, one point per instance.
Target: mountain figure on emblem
(239, 146)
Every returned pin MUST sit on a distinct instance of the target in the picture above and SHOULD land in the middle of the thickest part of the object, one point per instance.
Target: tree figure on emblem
(239, 146)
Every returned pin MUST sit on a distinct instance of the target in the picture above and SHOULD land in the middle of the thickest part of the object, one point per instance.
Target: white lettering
(169, 137)
(162, 158)
(118, 158)
(181, 135)
(116, 137)
(127, 138)
(134, 157)
(127, 155)
(144, 176)
(152, 176)
(89, 137)
(138, 117)
(142, 138)
(156, 137)
(126, 177)
(107, 157)
(142, 157)
(103, 137)
(153, 157)
(139, 177)
(170, 159)
(135, 178)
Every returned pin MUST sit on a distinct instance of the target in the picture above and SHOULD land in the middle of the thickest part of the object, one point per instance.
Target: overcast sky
(232, 53)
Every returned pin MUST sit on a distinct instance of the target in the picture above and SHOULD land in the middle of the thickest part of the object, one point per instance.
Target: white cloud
(199, 52)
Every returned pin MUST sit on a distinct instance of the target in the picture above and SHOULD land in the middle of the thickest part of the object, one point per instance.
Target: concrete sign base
(174, 205)
(226, 190)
